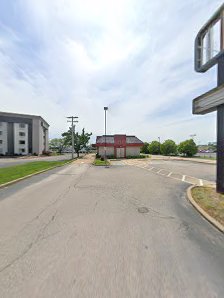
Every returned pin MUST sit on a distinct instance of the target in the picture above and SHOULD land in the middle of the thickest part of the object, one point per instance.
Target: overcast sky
(73, 57)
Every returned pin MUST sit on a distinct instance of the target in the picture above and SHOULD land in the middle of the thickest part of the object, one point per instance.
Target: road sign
(209, 42)
(209, 101)
(209, 50)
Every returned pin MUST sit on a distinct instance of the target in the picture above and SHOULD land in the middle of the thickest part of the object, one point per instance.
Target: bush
(154, 147)
(169, 147)
(47, 153)
(138, 156)
(145, 148)
(188, 148)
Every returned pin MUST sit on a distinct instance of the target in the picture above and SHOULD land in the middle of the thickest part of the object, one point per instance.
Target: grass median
(211, 201)
(9, 174)
(99, 162)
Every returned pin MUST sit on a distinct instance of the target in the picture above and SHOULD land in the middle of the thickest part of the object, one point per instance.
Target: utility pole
(72, 131)
(159, 146)
(105, 145)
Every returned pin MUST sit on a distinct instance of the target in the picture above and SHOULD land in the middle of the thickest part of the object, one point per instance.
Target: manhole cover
(143, 210)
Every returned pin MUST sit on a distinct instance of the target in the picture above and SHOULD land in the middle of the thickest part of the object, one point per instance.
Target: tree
(169, 147)
(188, 148)
(154, 147)
(80, 140)
(145, 148)
(58, 144)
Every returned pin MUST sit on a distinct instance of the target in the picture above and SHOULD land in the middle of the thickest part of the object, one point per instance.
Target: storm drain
(143, 210)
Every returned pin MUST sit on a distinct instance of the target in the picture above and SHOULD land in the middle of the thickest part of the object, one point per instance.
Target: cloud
(135, 56)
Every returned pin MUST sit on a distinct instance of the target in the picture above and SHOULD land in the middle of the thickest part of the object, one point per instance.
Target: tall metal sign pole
(206, 56)
(72, 132)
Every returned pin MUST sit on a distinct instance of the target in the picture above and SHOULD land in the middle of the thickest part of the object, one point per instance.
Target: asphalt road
(79, 231)
(7, 162)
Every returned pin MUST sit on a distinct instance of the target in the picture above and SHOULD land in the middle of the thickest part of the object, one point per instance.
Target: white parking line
(169, 174)
(183, 178)
(150, 168)
(201, 182)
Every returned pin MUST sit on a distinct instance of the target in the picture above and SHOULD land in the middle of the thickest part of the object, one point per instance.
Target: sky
(73, 57)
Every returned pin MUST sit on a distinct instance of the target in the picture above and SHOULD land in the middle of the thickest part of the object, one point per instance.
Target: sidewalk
(194, 159)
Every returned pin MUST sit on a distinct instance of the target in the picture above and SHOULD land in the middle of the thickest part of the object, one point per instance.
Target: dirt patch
(210, 201)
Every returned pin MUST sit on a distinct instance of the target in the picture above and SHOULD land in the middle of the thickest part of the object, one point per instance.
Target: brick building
(119, 146)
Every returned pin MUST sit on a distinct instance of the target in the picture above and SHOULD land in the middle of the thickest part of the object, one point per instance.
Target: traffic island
(100, 162)
(209, 203)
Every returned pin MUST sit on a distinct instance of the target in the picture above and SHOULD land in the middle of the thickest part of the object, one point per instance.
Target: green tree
(154, 147)
(188, 148)
(80, 140)
(58, 144)
(145, 148)
(169, 147)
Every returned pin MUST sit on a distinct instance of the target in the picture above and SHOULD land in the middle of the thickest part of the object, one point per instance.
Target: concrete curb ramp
(213, 221)
(34, 174)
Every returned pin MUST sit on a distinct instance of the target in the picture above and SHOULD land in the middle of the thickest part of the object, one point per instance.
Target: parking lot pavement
(185, 171)
(85, 231)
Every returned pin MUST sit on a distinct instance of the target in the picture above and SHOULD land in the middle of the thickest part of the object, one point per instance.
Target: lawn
(15, 172)
(211, 201)
(99, 162)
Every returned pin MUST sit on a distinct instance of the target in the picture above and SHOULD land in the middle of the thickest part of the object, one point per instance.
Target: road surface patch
(143, 210)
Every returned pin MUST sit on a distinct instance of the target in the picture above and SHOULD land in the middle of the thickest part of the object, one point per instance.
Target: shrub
(154, 147)
(138, 156)
(145, 148)
(169, 147)
(47, 153)
(188, 148)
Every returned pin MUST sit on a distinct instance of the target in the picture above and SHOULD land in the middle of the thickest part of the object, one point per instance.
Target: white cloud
(75, 57)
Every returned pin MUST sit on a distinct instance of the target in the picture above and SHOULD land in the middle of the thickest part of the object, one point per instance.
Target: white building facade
(23, 134)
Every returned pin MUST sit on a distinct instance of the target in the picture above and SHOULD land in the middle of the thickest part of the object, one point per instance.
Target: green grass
(206, 157)
(211, 201)
(99, 162)
(15, 172)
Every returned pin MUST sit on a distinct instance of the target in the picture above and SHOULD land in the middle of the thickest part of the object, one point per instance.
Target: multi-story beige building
(22, 134)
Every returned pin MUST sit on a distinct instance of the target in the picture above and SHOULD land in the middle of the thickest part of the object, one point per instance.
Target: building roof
(110, 140)
(8, 114)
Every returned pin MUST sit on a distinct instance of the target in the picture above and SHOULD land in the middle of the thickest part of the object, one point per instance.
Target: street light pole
(72, 132)
(159, 145)
(105, 143)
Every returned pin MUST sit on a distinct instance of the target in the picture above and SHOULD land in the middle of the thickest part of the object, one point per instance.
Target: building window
(0, 123)
(0, 133)
(22, 134)
(22, 142)
(21, 150)
(22, 125)
(1, 141)
(1, 150)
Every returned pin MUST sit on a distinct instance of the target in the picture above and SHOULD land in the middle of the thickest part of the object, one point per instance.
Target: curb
(34, 174)
(213, 221)
(210, 162)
